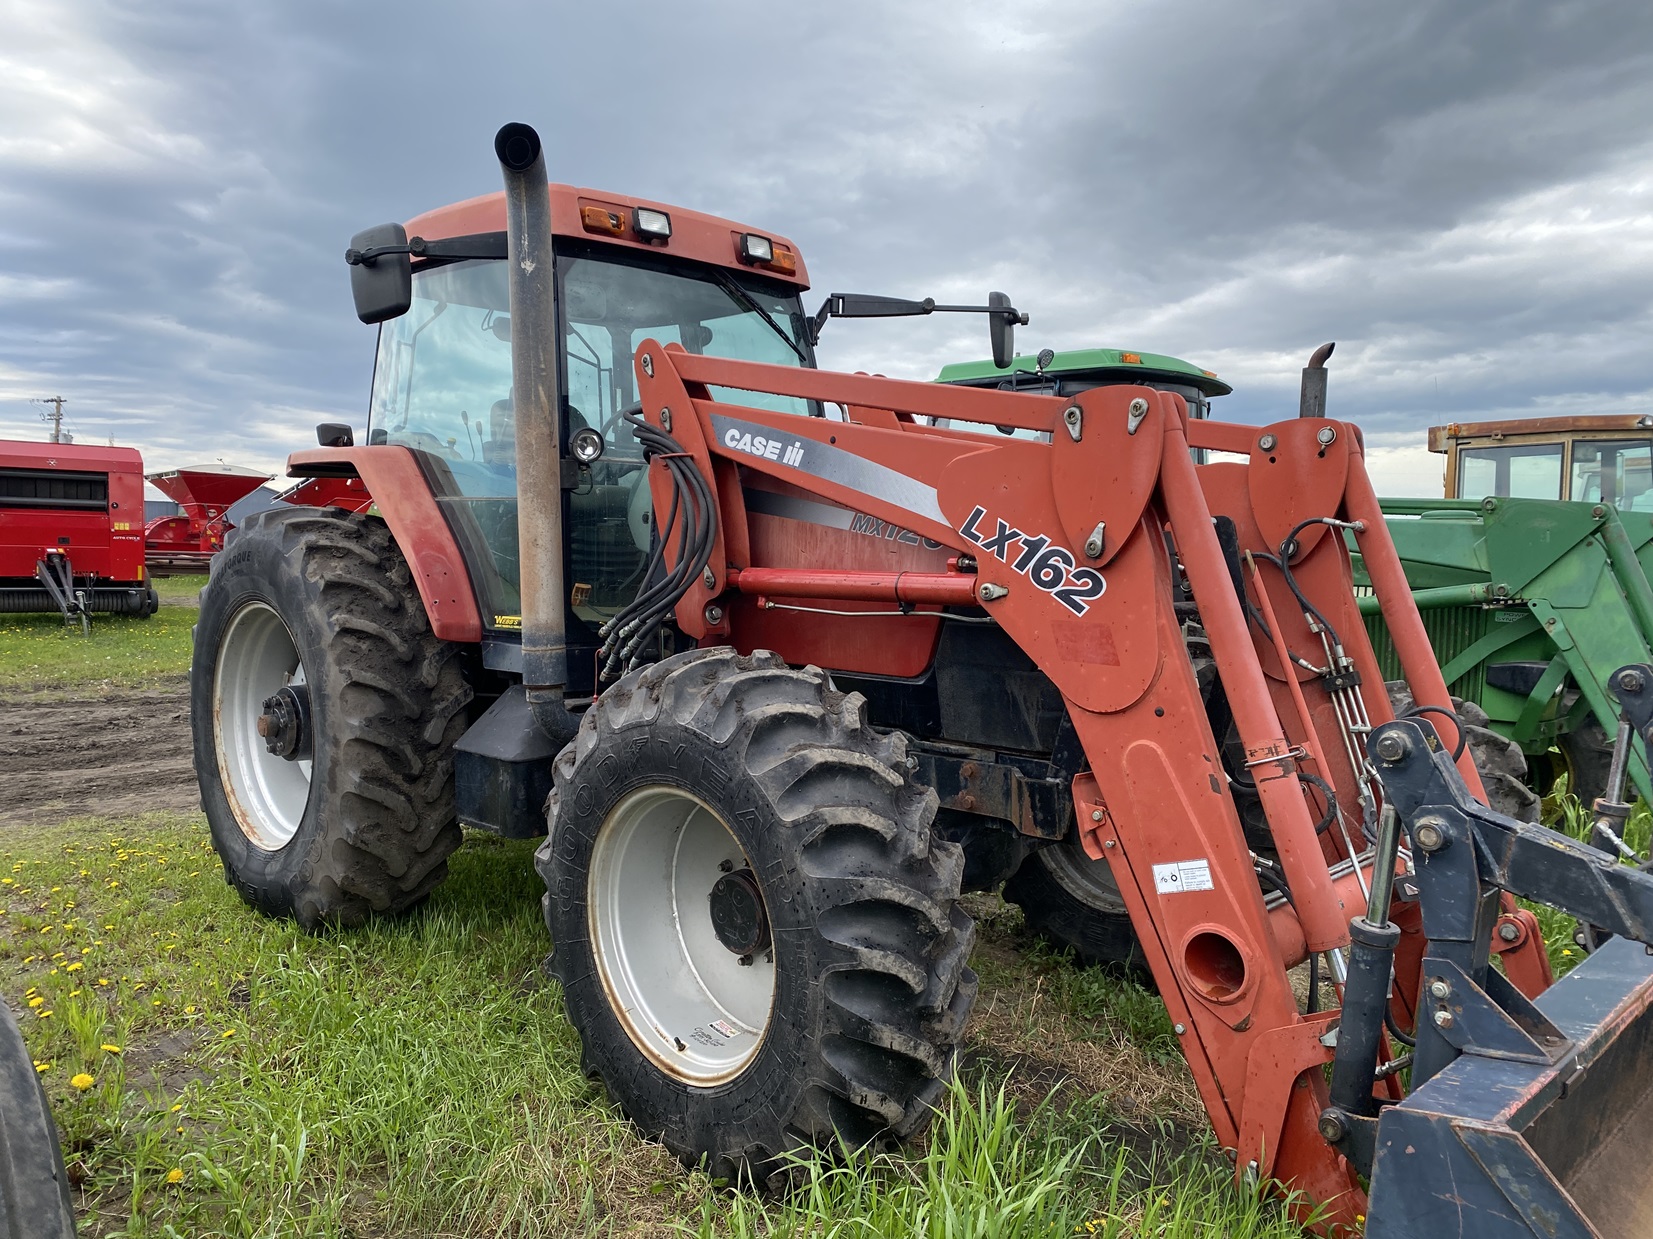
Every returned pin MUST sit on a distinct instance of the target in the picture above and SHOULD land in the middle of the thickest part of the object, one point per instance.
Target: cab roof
(1149, 366)
(695, 235)
(1537, 427)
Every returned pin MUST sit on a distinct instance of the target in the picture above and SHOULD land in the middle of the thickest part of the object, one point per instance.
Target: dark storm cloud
(1460, 193)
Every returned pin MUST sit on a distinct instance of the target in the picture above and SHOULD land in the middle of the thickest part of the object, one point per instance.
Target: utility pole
(55, 417)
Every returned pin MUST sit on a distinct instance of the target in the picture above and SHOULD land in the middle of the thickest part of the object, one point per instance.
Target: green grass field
(218, 1073)
(215, 1073)
(121, 651)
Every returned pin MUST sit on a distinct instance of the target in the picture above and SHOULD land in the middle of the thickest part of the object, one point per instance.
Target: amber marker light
(601, 219)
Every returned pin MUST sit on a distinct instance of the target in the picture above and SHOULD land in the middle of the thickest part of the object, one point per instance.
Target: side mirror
(1001, 328)
(380, 283)
(335, 434)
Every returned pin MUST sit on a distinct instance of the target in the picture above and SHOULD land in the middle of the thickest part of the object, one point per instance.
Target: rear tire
(712, 763)
(1073, 902)
(323, 601)
(34, 1187)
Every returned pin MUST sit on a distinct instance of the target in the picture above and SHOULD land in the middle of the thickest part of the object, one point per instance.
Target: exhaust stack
(537, 407)
(1311, 401)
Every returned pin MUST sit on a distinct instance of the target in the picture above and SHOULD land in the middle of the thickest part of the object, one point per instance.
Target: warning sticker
(723, 1028)
(1183, 875)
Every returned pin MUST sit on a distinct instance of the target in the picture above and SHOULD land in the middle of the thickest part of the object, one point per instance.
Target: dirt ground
(113, 755)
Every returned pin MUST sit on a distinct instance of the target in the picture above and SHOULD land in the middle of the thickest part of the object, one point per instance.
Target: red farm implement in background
(187, 542)
(71, 530)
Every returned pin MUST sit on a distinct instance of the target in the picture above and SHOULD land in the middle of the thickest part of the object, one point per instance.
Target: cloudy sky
(1459, 193)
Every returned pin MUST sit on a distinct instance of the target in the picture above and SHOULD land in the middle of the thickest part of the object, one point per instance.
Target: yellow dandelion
(37, 1001)
(103, 980)
(110, 1049)
(189, 1009)
(175, 1175)
(45, 1015)
(42, 1067)
(32, 990)
(74, 967)
(177, 1107)
(85, 950)
(156, 1003)
(228, 1033)
(74, 993)
(82, 1081)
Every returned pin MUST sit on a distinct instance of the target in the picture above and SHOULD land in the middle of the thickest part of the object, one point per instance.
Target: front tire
(1588, 754)
(316, 610)
(34, 1187)
(753, 925)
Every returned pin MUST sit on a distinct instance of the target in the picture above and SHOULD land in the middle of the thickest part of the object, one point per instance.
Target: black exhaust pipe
(1311, 401)
(537, 406)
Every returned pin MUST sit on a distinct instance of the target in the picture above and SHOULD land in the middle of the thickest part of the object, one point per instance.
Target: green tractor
(1531, 574)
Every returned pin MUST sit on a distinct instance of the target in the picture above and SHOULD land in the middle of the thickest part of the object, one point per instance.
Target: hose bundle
(692, 518)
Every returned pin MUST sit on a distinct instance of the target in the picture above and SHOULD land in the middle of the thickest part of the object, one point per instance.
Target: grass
(121, 651)
(218, 1074)
(418, 1077)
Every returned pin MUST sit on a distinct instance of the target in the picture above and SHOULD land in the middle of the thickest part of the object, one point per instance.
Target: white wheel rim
(267, 793)
(683, 997)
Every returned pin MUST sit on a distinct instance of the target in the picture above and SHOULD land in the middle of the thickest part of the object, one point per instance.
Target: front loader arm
(1063, 543)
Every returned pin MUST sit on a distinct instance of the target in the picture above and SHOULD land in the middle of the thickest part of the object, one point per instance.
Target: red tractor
(71, 531)
(782, 661)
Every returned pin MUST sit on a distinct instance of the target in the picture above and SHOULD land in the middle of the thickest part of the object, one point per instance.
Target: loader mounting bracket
(1633, 687)
(1522, 1112)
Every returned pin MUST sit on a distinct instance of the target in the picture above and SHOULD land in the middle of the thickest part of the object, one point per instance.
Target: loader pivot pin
(285, 723)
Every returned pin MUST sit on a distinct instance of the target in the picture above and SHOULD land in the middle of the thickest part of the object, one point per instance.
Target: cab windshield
(442, 386)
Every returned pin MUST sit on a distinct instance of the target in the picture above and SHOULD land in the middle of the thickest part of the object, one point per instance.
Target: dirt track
(116, 755)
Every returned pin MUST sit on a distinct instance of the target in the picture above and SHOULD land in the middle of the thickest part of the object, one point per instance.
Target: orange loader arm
(1072, 544)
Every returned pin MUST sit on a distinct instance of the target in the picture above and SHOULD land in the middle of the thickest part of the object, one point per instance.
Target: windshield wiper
(729, 285)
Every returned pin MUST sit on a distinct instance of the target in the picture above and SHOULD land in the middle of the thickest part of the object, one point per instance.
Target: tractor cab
(1069, 373)
(625, 272)
(1604, 458)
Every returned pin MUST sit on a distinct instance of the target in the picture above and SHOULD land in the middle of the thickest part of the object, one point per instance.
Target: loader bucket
(1493, 1148)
